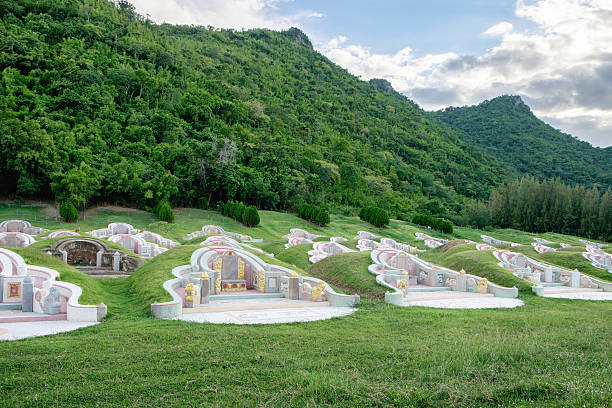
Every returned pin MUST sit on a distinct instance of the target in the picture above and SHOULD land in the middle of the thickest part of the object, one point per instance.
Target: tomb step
(32, 317)
(571, 290)
(442, 296)
(427, 289)
(247, 296)
(10, 306)
(552, 284)
(211, 307)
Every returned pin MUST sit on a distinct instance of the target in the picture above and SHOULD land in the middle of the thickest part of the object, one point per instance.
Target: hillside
(101, 104)
(506, 128)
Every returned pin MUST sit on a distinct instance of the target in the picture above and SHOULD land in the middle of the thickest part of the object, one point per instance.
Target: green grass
(550, 352)
(349, 272)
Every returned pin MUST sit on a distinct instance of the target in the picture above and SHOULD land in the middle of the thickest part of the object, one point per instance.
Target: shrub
(164, 212)
(438, 224)
(68, 211)
(248, 215)
(375, 216)
(314, 214)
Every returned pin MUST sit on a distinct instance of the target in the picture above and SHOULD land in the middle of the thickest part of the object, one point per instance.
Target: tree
(164, 212)
(68, 212)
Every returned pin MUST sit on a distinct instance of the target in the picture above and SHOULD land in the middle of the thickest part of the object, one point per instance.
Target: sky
(555, 54)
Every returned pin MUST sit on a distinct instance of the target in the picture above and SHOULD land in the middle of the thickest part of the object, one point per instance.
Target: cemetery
(414, 282)
(553, 281)
(225, 283)
(33, 302)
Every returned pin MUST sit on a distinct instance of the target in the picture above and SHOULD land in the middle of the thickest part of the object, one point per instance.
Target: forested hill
(98, 104)
(506, 128)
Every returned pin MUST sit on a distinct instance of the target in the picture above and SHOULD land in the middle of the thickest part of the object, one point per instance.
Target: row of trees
(314, 214)
(248, 215)
(530, 205)
(439, 224)
(375, 216)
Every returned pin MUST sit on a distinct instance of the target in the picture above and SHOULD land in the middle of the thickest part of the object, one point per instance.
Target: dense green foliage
(163, 211)
(68, 211)
(246, 214)
(250, 217)
(506, 128)
(375, 216)
(439, 224)
(314, 214)
(551, 206)
(98, 103)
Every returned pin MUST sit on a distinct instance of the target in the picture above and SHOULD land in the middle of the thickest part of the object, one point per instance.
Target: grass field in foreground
(550, 352)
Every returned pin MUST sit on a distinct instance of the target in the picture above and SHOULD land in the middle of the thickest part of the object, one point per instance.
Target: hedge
(375, 216)
(438, 224)
(314, 214)
(248, 215)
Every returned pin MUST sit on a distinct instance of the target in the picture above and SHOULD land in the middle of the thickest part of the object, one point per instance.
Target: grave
(138, 245)
(414, 282)
(16, 239)
(322, 249)
(30, 295)
(21, 226)
(216, 230)
(430, 242)
(553, 281)
(497, 242)
(114, 229)
(225, 283)
(94, 257)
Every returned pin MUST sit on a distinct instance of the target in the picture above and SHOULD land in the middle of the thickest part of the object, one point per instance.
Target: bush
(248, 215)
(375, 216)
(164, 212)
(438, 224)
(314, 214)
(68, 211)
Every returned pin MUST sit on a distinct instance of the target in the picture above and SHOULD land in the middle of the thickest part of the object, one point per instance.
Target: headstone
(548, 274)
(116, 261)
(52, 302)
(575, 279)
(204, 288)
(64, 256)
(99, 258)
(294, 287)
(27, 295)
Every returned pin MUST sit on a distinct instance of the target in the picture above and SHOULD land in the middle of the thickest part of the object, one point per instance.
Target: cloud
(562, 67)
(237, 14)
(499, 29)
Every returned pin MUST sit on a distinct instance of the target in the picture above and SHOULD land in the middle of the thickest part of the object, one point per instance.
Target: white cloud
(237, 14)
(563, 67)
(499, 29)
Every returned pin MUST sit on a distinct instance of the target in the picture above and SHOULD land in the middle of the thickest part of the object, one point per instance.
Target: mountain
(506, 128)
(98, 104)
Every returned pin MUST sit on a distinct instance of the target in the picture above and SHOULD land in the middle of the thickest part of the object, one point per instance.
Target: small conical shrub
(68, 211)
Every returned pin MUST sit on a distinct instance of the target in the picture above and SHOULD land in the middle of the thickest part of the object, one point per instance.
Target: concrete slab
(581, 295)
(269, 316)
(16, 331)
(461, 300)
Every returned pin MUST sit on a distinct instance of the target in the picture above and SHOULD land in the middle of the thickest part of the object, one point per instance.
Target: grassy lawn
(550, 352)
